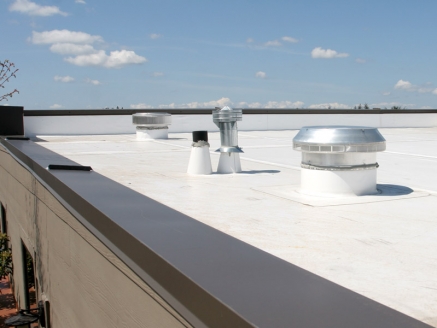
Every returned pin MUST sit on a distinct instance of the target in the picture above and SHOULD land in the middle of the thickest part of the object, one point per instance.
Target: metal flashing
(210, 278)
(205, 111)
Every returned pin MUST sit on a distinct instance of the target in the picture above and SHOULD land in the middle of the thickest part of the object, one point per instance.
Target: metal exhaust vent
(339, 159)
(226, 119)
(151, 125)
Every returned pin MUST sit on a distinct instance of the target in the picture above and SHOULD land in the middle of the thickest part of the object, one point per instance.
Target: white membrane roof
(382, 246)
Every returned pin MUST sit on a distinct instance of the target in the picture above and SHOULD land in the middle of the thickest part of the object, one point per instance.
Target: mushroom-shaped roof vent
(339, 139)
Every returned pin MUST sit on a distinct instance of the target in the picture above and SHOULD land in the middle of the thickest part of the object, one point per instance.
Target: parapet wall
(82, 122)
(86, 285)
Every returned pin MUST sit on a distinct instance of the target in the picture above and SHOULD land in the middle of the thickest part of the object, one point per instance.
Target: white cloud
(360, 61)
(274, 43)
(387, 93)
(208, 104)
(250, 40)
(408, 86)
(56, 106)
(334, 105)
(80, 1)
(155, 36)
(404, 85)
(64, 79)
(93, 82)
(195, 104)
(64, 36)
(249, 105)
(33, 9)
(115, 59)
(72, 49)
(157, 74)
(261, 75)
(272, 104)
(140, 106)
(289, 39)
(327, 53)
(79, 44)
(224, 102)
(284, 104)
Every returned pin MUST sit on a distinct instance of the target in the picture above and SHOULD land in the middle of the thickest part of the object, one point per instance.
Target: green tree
(5, 256)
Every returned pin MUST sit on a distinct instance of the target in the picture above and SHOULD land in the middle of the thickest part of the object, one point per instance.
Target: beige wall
(87, 286)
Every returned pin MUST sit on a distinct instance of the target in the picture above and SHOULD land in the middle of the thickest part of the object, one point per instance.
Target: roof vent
(226, 119)
(339, 160)
(200, 160)
(151, 125)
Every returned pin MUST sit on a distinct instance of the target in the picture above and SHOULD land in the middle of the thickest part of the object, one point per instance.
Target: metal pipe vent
(339, 159)
(151, 125)
(152, 120)
(226, 119)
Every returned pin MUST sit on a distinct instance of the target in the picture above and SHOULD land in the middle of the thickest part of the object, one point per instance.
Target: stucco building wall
(85, 283)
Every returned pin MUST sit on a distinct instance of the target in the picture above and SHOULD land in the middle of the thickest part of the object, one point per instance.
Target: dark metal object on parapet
(11, 121)
(28, 316)
(211, 278)
(18, 138)
(69, 167)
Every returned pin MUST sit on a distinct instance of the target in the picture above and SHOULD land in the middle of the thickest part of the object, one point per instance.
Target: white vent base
(144, 134)
(200, 161)
(229, 163)
(323, 182)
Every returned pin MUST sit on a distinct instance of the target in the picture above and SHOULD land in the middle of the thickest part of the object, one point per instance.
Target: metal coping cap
(151, 119)
(227, 115)
(339, 139)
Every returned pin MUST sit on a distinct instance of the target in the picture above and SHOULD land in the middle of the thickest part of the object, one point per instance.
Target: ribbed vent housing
(151, 119)
(339, 139)
(227, 115)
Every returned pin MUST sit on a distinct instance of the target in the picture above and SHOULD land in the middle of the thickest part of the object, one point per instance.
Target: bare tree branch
(7, 71)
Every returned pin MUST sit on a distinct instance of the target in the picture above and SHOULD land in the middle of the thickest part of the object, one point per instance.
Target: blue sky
(77, 54)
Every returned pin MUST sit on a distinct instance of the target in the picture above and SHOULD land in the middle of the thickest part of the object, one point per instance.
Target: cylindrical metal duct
(339, 159)
(151, 125)
(226, 119)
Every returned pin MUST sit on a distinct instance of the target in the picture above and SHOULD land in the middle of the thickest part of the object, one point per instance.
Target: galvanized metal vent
(226, 119)
(152, 120)
(151, 126)
(339, 159)
(339, 139)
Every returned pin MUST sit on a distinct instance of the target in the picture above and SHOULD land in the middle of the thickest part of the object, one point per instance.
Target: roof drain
(226, 119)
(338, 160)
(151, 126)
(200, 159)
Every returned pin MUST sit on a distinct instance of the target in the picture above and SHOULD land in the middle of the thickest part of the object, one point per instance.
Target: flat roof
(381, 246)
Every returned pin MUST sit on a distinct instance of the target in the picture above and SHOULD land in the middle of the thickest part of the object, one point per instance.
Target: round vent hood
(339, 159)
(151, 125)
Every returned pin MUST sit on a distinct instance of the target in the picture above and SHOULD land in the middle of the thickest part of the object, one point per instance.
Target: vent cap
(339, 139)
(151, 119)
